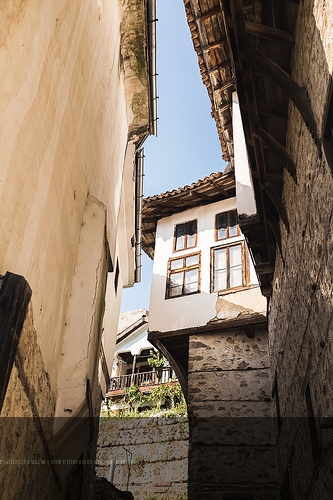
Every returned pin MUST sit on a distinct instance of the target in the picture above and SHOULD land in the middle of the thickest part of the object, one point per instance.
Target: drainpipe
(138, 212)
(151, 15)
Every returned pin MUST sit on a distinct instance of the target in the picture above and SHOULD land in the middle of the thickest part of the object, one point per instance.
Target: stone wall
(159, 448)
(25, 441)
(232, 432)
(300, 319)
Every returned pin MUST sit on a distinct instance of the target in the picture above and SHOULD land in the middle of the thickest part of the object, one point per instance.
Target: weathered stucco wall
(232, 430)
(300, 319)
(74, 107)
(64, 119)
(159, 448)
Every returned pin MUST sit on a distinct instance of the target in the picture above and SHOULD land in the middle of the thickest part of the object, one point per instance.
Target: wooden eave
(247, 45)
(213, 188)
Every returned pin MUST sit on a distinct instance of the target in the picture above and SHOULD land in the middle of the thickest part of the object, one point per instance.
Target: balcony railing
(160, 376)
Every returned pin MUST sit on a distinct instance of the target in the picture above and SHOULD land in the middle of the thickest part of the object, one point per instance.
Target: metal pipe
(151, 14)
(111, 470)
(139, 166)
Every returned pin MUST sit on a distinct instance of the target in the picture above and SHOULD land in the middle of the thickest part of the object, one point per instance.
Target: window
(228, 267)
(183, 276)
(185, 235)
(226, 225)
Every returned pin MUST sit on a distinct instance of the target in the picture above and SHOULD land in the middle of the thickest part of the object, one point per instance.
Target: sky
(187, 147)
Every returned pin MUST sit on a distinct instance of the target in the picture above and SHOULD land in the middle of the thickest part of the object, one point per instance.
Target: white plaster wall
(134, 343)
(246, 203)
(197, 309)
(64, 125)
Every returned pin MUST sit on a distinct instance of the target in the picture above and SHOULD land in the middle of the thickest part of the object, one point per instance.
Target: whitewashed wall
(197, 309)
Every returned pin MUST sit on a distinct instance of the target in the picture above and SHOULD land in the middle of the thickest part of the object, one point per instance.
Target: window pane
(233, 223)
(192, 260)
(180, 236)
(176, 264)
(176, 284)
(191, 281)
(220, 269)
(221, 226)
(192, 231)
(220, 280)
(220, 261)
(235, 256)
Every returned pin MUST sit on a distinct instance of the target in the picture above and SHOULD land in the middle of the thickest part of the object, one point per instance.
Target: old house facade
(132, 360)
(77, 102)
(208, 316)
(268, 68)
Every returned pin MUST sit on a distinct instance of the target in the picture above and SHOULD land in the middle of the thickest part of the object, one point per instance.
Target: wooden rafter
(295, 92)
(277, 202)
(269, 33)
(213, 12)
(280, 152)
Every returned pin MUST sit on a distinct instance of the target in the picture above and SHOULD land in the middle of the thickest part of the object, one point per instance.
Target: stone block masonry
(158, 461)
(300, 319)
(232, 429)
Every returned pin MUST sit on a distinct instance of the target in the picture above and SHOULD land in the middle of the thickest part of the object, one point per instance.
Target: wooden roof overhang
(247, 45)
(216, 187)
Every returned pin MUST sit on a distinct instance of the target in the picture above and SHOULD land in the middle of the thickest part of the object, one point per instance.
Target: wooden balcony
(145, 381)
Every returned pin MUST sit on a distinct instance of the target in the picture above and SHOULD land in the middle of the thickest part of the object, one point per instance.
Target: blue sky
(187, 146)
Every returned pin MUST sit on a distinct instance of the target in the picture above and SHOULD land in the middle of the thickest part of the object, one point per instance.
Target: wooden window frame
(245, 267)
(183, 269)
(185, 235)
(227, 215)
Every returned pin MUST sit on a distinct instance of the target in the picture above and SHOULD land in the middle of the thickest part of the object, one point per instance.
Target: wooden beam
(280, 152)
(213, 12)
(274, 227)
(215, 326)
(268, 108)
(277, 202)
(269, 33)
(220, 189)
(225, 85)
(200, 196)
(213, 46)
(295, 92)
(222, 65)
(264, 268)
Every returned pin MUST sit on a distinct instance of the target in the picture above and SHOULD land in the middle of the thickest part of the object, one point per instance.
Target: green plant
(138, 465)
(160, 393)
(132, 396)
(156, 360)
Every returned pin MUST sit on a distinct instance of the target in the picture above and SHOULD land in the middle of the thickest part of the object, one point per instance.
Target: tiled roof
(131, 319)
(215, 187)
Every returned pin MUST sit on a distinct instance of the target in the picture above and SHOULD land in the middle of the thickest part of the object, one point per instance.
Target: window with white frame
(183, 276)
(229, 267)
(185, 235)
